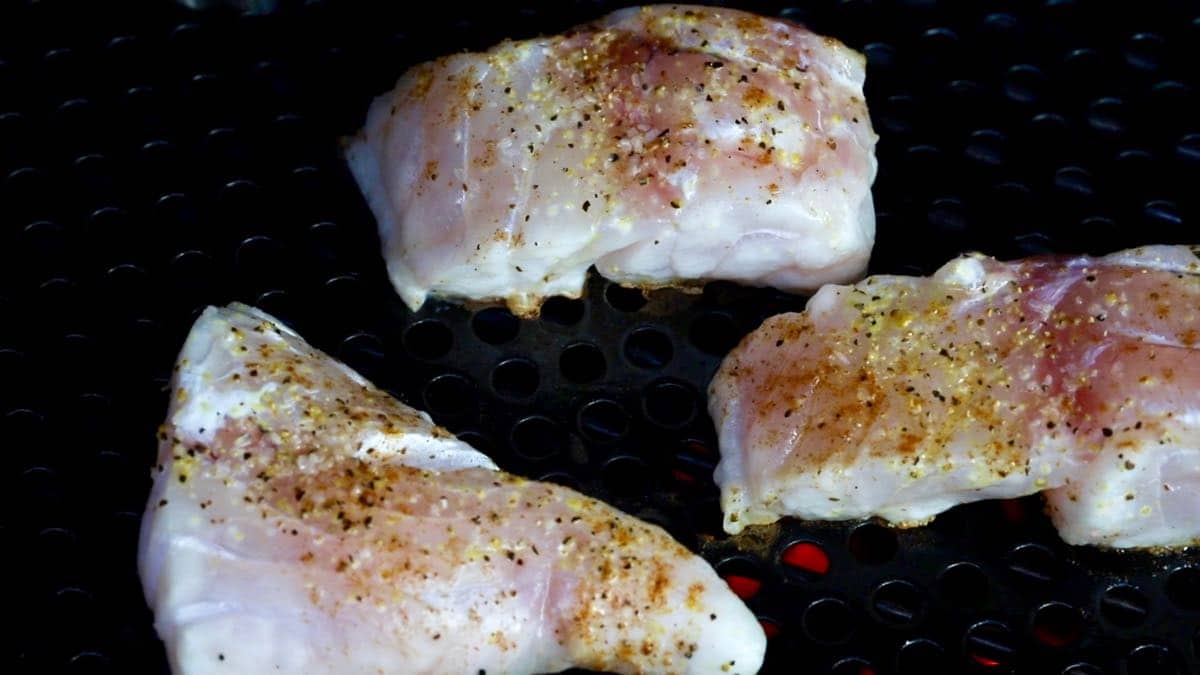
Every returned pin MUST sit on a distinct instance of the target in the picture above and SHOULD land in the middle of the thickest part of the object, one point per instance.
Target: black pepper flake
(220, 657)
(587, 205)
(1107, 432)
(675, 204)
(714, 64)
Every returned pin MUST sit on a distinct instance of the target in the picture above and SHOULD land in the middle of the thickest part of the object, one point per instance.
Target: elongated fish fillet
(664, 144)
(900, 397)
(302, 521)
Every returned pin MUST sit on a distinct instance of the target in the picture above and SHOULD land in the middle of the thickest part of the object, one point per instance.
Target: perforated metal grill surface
(154, 160)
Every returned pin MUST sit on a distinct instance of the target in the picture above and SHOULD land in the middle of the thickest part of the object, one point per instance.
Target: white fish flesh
(901, 397)
(666, 145)
(302, 521)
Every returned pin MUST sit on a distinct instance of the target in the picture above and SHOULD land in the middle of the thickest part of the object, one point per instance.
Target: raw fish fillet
(665, 145)
(302, 521)
(901, 397)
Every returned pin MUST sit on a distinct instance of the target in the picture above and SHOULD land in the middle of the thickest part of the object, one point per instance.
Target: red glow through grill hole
(1057, 624)
(1013, 510)
(769, 627)
(742, 586)
(683, 476)
(806, 556)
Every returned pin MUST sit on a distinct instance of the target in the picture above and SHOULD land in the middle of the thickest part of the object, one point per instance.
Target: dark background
(154, 160)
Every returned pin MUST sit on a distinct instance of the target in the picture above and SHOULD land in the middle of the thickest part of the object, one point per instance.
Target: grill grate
(153, 160)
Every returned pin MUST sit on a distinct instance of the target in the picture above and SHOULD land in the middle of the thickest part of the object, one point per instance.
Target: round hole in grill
(963, 584)
(624, 299)
(89, 661)
(603, 421)
(1057, 624)
(562, 310)
(449, 394)
(478, 440)
(361, 351)
(1082, 669)
(920, 656)
(495, 325)
(669, 404)
(990, 644)
(1024, 83)
(259, 254)
(897, 603)
(1183, 587)
(743, 576)
(1151, 660)
(947, 215)
(428, 339)
(852, 665)
(872, 543)
(279, 304)
(582, 362)
(627, 476)
(828, 621)
(649, 348)
(515, 378)
(54, 545)
(807, 558)
(537, 438)
(1144, 51)
(1107, 115)
(560, 478)
(1188, 148)
(987, 146)
(1034, 562)
(75, 605)
(1161, 212)
(714, 333)
(1124, 606)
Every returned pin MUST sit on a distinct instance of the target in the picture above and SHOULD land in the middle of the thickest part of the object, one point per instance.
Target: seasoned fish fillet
(901, 397)
(663, 144)
(302, 521)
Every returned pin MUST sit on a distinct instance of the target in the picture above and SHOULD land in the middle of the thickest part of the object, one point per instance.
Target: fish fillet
(901, 397)
(665, 145)
(302, 521)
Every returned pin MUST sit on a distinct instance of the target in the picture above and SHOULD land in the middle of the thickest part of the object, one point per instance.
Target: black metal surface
(154, 160)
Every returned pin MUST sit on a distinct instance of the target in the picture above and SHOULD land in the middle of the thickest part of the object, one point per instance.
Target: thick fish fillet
(302, 521)
(901, 397)
(665, 145)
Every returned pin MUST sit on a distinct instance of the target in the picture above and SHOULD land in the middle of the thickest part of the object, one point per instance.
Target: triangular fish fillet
(302, 521)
